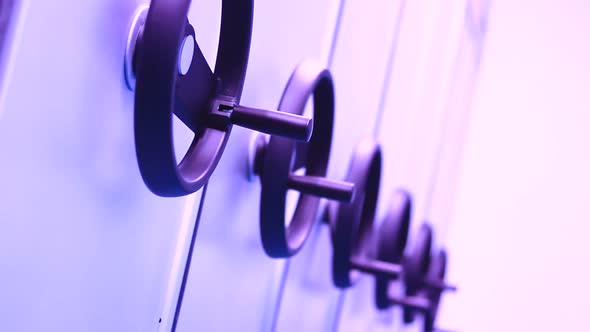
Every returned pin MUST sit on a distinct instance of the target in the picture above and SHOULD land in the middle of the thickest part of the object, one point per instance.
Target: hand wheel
(171, 76)
(275, 163)
(351, 224)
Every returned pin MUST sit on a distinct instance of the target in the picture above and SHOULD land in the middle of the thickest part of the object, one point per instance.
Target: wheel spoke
(194, 91)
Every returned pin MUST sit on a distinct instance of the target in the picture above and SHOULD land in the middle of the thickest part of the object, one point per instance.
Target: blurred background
(520, 230)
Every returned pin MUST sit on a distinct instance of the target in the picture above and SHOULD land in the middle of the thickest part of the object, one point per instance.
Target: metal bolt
(185, 57)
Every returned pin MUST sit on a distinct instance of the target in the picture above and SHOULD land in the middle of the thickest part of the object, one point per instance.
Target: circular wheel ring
(352, 224)
(393, 237)
(416, 265)
(281, 239)
(437, 271)
(156, 94)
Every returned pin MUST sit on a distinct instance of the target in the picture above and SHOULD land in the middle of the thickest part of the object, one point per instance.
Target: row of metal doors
(86, 247)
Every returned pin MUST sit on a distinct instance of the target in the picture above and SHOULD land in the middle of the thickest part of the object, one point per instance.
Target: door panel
(84, 244)
(232, 284)
(362, 50)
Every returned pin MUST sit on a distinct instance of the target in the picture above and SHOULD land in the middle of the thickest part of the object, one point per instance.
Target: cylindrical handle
(322, 187)
(375, 267)
(415, 303)
(439, 285)
(273, 122)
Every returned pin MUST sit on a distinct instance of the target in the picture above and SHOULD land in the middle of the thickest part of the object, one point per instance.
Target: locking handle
(171, 77)
(392, 239)
(277, 160)
(351, 224)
